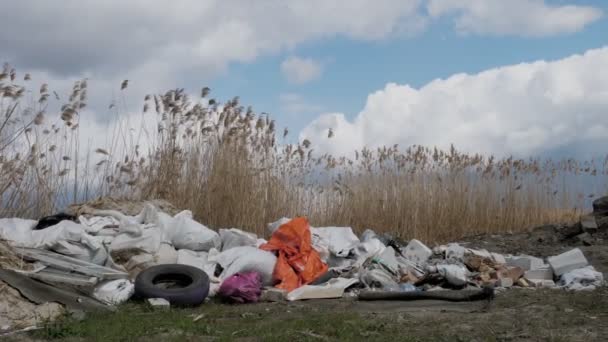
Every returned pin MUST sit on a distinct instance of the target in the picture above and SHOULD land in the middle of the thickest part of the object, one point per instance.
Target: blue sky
(367, 69)
(354, 69)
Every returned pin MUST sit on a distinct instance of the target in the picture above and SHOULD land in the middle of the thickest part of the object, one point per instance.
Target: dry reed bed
(225, 163)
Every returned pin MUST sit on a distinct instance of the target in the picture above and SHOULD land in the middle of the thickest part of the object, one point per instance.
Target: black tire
(191, 285)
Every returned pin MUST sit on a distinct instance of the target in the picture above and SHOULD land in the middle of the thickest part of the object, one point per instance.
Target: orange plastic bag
(298, 263)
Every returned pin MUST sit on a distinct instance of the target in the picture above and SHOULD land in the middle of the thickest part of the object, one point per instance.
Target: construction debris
(89, 259)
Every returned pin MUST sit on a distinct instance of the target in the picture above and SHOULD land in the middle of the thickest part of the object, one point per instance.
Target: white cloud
(296, 104)
(514, 17)
(529, 108)
(301, 70)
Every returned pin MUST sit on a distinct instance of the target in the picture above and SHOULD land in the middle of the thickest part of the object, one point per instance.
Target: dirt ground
(515, 315)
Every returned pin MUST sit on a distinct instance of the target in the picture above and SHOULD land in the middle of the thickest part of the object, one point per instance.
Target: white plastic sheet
(334, 288)
(586, 278)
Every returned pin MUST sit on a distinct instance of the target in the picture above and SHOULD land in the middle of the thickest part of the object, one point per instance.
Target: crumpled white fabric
(582, 279)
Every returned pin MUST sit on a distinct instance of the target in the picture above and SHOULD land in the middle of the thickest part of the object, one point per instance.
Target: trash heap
(100, 258)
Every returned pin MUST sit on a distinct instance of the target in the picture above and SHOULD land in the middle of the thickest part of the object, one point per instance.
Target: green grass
(223, 323)
(547, 315)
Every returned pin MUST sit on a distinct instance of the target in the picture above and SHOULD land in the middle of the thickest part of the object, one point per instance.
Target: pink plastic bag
(242, 288)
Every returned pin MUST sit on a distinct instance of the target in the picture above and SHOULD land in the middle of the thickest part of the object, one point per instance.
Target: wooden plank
(70, 264)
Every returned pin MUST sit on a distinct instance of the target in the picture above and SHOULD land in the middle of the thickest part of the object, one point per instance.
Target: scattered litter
(96, 258)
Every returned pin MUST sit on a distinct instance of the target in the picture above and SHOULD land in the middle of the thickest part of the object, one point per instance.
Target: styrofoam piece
(526, 262)
(568, 261)
(159, 303)
(545, 272)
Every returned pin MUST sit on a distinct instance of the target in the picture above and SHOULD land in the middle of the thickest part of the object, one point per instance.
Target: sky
(520, 77)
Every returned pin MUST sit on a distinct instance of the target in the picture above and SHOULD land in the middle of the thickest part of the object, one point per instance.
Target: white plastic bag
(114, 292)
(453, 274)
(236, 238)
(192, 258)
(339, 240)
(166, 255)
(244, 259)
(189, 234)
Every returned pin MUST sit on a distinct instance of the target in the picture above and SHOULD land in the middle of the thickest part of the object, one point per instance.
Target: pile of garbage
(100, 258)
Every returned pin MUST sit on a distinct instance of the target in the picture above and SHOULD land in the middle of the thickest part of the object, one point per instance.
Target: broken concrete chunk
(482, 253)
(568, 261)
(159, 303)
(512, 272)
(600, 205)
(499, 258)
(585, 239)
(273, 294)
(544, 272)
(417, 251)
(526, 262)
(588, 223)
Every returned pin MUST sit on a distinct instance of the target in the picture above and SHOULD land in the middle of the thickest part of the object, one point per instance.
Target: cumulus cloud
(514, 17)
(524, 109)
(78, 36)
(301, 70)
